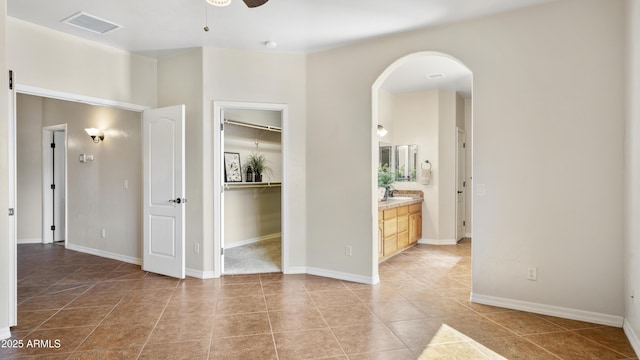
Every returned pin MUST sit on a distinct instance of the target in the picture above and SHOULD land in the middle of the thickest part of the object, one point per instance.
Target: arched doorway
(424, 101)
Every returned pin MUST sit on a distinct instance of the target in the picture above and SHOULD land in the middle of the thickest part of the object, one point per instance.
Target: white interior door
(164, 191)
(460, 185)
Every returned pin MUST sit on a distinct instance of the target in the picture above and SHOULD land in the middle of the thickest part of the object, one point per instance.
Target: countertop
(391, 203)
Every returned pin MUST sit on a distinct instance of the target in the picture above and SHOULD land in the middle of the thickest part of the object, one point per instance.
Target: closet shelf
(251, 185)
(253, 126)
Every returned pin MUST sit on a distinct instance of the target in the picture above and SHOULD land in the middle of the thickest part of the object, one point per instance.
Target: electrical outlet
(532, 274)
(348, 250)
(196, 248)
(103, 233)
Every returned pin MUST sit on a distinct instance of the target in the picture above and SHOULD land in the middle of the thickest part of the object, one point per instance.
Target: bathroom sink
(400, 198)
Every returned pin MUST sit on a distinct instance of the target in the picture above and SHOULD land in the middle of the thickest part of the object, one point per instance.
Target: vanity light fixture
(382, 131)
(96, 134)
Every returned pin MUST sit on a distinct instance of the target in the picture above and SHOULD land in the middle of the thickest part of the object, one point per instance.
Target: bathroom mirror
(385, 154)
(406, 162)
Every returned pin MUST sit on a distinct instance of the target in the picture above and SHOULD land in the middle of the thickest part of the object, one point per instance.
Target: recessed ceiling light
(219, 2)
(271, 44)
(434, 76)
(91, 23)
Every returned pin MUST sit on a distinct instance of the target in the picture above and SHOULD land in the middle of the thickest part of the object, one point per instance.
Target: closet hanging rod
(252, 185)
(254, 126)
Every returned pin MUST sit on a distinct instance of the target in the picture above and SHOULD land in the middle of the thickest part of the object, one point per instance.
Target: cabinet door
(415, 227)
(403, 240)
(403, 228)
(390, 245)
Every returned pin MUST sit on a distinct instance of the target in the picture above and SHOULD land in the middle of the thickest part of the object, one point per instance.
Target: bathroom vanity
(399, 224)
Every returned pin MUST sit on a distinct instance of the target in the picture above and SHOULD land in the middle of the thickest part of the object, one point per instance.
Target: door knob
(459, 192)
(178, 201)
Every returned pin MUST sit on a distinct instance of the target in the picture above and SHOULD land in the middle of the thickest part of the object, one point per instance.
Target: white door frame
(47, 174)
(13, 220)
(460, 136)
(218, 183)
(54, 94)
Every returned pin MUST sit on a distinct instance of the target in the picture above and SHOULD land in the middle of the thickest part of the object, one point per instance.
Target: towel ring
(428, 163)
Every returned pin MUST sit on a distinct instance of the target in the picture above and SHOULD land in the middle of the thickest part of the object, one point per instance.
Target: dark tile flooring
(77, 306)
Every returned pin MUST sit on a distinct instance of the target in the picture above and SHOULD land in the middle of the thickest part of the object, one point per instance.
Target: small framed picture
(232, 168)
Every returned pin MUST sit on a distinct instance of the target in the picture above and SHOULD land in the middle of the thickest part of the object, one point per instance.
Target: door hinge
(53, 186)
(53, 145)
(464, 223)
(221, 251)
(464, 184)
(221, 127)
(464, 145)
(10, 79)
(12, 211)
(53, 227)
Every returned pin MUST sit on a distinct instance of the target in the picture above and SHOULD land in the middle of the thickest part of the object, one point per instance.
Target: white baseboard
(295, 270)
(438, 241)
(105, 254)
(29, 241)
(632, 336)
(334, 275)
(5, 333)
(199, 273)
(252, 241)
(567, 313)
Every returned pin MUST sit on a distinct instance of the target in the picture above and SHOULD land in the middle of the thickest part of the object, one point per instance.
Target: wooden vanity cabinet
(398, 228)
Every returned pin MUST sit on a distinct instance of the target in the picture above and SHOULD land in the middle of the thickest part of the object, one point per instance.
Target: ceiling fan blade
(255, 3)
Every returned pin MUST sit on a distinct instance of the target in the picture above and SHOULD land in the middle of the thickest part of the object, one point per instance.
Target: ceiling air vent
(91, 23)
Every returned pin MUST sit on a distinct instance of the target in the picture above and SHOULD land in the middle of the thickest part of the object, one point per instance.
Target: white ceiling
(157, 27)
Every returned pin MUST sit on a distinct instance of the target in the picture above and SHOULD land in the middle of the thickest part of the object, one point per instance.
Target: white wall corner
(632, 336)
(5, 333)
(543, 309)
(199, 274)
(438, 241)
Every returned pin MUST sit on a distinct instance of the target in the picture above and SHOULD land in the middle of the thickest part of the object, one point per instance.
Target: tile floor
(78, 306)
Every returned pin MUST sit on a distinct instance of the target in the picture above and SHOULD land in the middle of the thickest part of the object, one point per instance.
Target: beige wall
(416, 121)
(632, 178)
(97, 197)
(29, 167)
(56, 61)
(540, 125)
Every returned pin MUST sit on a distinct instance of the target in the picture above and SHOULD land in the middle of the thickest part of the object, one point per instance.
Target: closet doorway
(251, 198)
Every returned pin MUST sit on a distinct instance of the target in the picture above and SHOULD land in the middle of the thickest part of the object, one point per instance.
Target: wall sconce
(96, 134)
(382, 131)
